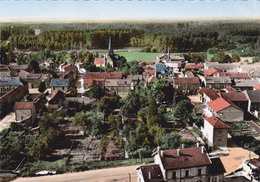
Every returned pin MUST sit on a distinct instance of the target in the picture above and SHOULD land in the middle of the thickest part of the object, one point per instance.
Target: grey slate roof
(10, 82)
(160, 68)
(247, 83)
(59, 83)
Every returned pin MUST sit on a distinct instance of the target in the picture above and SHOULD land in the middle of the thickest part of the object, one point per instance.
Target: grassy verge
(62, 166)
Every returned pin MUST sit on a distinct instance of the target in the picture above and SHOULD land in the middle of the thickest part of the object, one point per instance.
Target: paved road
(102, 175)
(6, 121)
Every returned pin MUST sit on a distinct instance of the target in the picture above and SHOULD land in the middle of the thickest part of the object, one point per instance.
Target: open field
(137, 55)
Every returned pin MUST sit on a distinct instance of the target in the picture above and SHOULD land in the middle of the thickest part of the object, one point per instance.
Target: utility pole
(129, 177)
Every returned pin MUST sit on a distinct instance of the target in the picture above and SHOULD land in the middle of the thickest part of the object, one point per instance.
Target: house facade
(24, 110)
(215, 131)
(225, 110)
(58, 84)
(186, 164)
(8, 84)
(186, 86)
(71, 67)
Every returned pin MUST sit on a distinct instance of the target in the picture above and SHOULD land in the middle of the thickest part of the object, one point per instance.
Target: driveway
(6, 121)
(122, 174)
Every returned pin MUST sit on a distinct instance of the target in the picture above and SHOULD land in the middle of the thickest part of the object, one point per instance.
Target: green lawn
(137, 55)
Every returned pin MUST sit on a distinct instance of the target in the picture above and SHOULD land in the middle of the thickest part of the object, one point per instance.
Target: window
(187, 173)
(219, 140)
(62, 88)
(220, 131)
(199, 172)
(174, 175)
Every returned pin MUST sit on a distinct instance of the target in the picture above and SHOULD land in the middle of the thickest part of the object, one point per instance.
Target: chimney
(202, 149)
(198, 144)
(182, 146)
(150, 175)
(158, 148)
(162, 153)
(178, 152)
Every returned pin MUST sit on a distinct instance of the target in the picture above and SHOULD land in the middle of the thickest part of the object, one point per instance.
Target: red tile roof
(211, 94)
(99, 61)
(201, 91)
(231, 89)
(70, 65)
(257, 87)
(152, 173)
(216, 122)
(188, 157)
(29, 70)
(23, 105)
(220, 104)
(186, 80)
(90, 81)
(211, 71)
(57, 96)
(12, 93)
(97, 75)
(235, 96)
(149, 72)
(67, 75)
(193, 66)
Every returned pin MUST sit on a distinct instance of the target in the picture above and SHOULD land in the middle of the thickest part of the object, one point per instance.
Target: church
(114, 60)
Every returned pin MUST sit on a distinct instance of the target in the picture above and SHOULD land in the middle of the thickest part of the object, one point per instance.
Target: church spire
(110, 49)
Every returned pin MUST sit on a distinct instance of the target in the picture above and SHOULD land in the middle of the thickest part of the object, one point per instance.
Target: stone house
(225, 110)
(120, 87)
(186, 86)
(6, 71)
(71, 67)
(245, 84)
(162, 71)
(100, 77)
(58, 84)
(186, 164)
(215, 131)
(24, 110)
(216, 82)
(8, 84)
(33, 79)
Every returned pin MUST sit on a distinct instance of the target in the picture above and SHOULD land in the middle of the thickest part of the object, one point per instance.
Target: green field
(137, 55)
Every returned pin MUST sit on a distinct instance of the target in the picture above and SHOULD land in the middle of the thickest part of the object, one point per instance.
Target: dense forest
(242, 38)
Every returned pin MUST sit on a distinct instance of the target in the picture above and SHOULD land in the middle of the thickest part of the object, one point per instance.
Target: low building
(24, 110)
(58, 84)
(216, 82)
(225, 110)
(120, 87)
(6, 71)
(100, 62)
(186, 86)
(56, 98)
(215, 131)
(186, 164)
(245, 84)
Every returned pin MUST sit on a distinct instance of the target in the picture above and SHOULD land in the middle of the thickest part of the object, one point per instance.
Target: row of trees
(181, 37)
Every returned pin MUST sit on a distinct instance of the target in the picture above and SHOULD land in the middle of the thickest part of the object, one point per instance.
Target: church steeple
(110, 49)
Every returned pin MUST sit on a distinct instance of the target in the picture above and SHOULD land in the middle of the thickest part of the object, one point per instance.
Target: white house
(215, 132)
(24, 110)
(186, 164)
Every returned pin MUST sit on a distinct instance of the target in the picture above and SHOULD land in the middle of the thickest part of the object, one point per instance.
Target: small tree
(95, 91)
(41, 87)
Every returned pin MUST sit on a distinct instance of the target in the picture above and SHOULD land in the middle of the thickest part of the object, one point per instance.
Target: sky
(128, 9)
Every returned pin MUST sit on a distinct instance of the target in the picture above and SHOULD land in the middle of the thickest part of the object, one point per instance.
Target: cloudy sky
(14, 9)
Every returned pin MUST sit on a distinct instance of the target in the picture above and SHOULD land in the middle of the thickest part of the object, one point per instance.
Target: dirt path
(102, 175)
(6, 121)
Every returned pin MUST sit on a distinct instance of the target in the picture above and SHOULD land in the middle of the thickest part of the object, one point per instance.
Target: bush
(146, 49)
